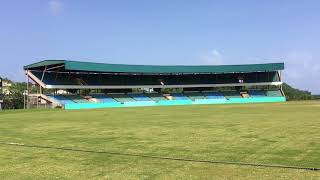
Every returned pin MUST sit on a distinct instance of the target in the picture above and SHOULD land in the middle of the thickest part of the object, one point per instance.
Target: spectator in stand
(240, 78)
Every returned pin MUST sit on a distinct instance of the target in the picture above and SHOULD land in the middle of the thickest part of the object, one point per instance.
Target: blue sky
(169, 32)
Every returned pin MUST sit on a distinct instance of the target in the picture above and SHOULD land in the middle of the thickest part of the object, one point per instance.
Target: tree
(296, 94)
(15, 99)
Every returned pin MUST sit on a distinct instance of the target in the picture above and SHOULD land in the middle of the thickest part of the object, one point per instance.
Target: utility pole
(25, 94)
(1, 96)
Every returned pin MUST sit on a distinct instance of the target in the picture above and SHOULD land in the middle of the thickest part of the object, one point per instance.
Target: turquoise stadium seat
(121, 97)
(257, 93)
(231, 94)
(77, 99)
(213, 95)
(140, 97)
(274, 93)
(62, 99)
(195, 95)
(179, 96)
(103, 98)
(155, 96)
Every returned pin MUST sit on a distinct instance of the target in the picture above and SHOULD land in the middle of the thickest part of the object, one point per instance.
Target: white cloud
(212, 57)
(56, 7)
(300, 65)
(302, 70)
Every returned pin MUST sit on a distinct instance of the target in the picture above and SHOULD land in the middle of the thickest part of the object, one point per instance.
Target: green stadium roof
(125, 68)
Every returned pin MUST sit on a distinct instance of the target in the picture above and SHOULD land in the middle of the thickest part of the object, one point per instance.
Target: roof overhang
(147, 69)
(162, 86)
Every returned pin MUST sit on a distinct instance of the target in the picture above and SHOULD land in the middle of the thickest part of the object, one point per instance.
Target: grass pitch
(282, 134)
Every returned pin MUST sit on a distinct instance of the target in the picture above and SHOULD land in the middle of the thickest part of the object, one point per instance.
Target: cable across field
(160, 157)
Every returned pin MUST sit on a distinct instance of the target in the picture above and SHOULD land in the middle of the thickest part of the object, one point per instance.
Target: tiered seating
(179, 96)
(121, 97)
(231, 94)
(140, 97)
(273, 93)
(54, 78)
(257, 93)
(77, 99)
(156, 97)
(206, 97)
(62, 99)
(103, 98)
(195, 95)
(213, 95)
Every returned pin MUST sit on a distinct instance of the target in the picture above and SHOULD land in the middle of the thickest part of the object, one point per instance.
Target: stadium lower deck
(158, 99)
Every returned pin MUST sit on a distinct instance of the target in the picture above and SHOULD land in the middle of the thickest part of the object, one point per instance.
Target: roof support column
(45, 68)
(281, 85)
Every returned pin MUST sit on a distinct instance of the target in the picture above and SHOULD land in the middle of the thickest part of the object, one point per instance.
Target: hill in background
(296, 94)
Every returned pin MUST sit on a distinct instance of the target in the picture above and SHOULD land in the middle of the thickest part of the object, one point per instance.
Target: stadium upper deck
(67, 75)
(62, 74)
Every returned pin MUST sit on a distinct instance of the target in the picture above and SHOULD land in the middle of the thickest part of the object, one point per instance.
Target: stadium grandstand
(80, 85)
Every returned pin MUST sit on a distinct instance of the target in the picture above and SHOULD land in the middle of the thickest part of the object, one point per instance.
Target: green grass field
(278, 134)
